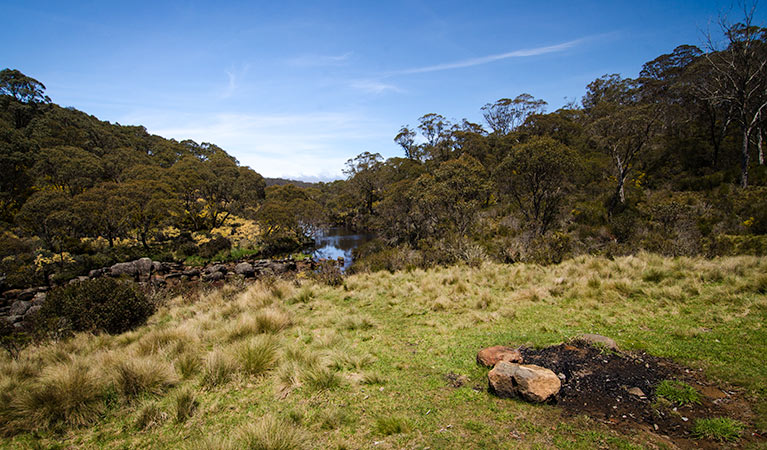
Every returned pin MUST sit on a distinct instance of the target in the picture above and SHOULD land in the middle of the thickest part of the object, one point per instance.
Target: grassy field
(284, 364)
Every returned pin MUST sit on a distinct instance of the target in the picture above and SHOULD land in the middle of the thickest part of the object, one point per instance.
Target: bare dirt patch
(606, 384)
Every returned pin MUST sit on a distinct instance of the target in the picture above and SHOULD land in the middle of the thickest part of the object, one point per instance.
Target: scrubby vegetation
(670, 162)
(335, 368)
(100, 305)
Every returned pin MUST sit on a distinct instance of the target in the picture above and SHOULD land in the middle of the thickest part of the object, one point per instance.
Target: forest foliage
(670, 162)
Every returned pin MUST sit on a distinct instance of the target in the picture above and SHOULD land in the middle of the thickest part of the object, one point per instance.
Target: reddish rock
(490, 356)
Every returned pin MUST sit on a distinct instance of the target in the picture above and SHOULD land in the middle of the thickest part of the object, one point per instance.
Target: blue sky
(294, 89)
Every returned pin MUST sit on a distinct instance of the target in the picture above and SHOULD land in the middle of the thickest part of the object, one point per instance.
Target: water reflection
(338, 242)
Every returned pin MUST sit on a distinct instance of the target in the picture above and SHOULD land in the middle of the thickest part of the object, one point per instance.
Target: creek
(338, 242)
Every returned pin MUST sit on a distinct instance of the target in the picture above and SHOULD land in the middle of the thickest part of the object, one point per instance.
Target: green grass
(386, 426)
(365, 363)
(677, 392)
(721, 429)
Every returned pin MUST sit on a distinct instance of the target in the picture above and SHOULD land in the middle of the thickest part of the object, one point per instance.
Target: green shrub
(677, 392)
(100, 305)
(12, 340)
(214, 246)
(188, 249)
(718, 429)
(329, 273)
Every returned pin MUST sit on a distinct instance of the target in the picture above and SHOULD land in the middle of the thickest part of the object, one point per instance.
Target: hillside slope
(375, 361)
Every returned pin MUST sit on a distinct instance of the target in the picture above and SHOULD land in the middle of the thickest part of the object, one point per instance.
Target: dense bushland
(670, 162)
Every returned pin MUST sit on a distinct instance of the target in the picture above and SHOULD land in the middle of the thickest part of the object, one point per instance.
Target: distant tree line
(670, 162)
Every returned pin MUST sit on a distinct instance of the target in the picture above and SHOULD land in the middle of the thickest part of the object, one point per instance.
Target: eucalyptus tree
(505, 115)
(740, 78)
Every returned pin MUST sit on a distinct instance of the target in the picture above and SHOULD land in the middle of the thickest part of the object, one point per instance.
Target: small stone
(636, 391)
(19, 307)
(215, 276)
(599, 339)
(490, 356)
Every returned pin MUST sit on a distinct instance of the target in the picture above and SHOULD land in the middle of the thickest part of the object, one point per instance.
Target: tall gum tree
(740, 77)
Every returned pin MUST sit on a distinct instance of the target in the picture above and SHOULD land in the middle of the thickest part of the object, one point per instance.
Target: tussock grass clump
(213, 442)
(321, 378)
(722, 429)
(346, 358)
(70, 394)
(304, 295)
(258, 356)
(188, 364)
(171, 340)
(186, 404)
(270, 433)
(654, 275)
(372, 378)
(218, 368)
(300, 354)
(245, 326)
(677, 392)
(356, 322)
(442, 303)
(386, 426)
(332, 419)
(271, 320)
(137, 376)
(296, 415)
(759, 285)
(149, 415)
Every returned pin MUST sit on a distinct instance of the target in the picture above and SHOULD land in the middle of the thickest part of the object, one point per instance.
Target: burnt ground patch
(604, 384)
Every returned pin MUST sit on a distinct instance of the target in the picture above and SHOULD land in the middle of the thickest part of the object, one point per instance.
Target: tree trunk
(744, 157)
(759, 146)
(621, 192)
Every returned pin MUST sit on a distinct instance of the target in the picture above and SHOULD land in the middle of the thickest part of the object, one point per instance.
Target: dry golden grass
(380, 345)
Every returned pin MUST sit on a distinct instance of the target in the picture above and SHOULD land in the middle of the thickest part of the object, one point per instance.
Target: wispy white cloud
(313, 60)
(490, 58)
(374, 86)
(234, 77)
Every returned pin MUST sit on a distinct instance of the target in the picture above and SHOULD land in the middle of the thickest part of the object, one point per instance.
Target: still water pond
(338, 242)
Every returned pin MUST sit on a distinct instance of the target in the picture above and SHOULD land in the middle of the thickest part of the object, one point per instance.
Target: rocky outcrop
(140, 269)
(16, 304)
(532, 383)
(490, 356)
(245, 269)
